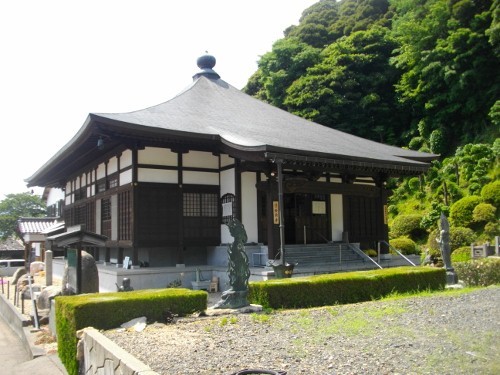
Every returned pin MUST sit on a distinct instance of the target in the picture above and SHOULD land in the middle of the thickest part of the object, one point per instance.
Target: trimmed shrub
(459, 236)
(110, 310)
(491, 193)
(492, 229)
(342, 288)
(462, 254)
(405, 245)
(407, 225)
(482, 272)
(461, 210)
(483, 212)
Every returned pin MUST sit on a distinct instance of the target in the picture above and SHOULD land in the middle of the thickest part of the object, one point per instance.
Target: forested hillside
(422, 74)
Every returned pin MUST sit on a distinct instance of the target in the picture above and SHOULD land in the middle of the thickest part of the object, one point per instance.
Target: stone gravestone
(89, 275)
(444, 245)
(238, 269)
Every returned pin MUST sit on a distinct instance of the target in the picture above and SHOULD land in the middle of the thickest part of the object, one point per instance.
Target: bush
(405, 245)
(492, 229)
(484, 212)
(462, 254)
(407, 225)
(491, 193)
(459, 236)
(341, 288)
(87, 310)
(482, 272)
(370, 252)
(461, 210)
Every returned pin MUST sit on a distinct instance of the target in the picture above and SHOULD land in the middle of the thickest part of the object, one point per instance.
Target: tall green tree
(278, 69)
(15, 206)
(352, 89)
(451, 73)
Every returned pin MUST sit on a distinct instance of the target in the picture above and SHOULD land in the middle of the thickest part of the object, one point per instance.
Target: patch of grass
(426, 293)
(233, 320)
(223, 321)
(208, 328)
(260, 318)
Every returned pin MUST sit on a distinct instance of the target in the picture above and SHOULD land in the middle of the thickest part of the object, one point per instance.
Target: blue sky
(62, 59)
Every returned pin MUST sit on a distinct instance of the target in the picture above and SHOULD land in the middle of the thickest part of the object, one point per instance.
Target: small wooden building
(158, 182)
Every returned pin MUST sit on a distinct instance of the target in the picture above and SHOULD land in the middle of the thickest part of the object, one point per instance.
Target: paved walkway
(15, 359)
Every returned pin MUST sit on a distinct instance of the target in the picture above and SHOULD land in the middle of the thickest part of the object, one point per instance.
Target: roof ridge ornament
(206, 63)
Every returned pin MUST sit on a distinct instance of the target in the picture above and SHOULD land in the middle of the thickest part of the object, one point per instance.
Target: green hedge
(110, 310)
(481, 272)
(341, 288)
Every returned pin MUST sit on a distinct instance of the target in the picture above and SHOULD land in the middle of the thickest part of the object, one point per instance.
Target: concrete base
(242, 310)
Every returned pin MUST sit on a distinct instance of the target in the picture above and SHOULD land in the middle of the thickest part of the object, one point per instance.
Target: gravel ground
(444, 333)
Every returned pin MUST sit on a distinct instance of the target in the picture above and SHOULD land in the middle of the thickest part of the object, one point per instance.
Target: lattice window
(200, 204)
(100, 186)
(228, 203)
(191, 204)
(106, 217)
(106, 209)
(124, 216)
(112, 181)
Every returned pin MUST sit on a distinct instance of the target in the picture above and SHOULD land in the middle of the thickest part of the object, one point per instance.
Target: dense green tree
(451, 72)
(352, 89)
(15, 206)
(288, 61)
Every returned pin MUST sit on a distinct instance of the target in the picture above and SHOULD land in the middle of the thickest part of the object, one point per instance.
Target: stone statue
(238, 269)
(444, 245)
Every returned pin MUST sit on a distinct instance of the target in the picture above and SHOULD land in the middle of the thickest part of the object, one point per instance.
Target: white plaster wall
(226, 160)
(112, 165)
(68, 187)
(126, 177)
(157, 156)
(370, 183)
(77, 183)
(227, 182)
(336, 179)
(337, 216)
(68, 199)
(126, 159)
(249, 205)
(157, 175)
(200, 159)
(54, 196)
(203, 178)
(101, 171)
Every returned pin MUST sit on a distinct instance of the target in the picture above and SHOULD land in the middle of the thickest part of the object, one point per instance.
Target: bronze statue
(238, 269)
(444, 245)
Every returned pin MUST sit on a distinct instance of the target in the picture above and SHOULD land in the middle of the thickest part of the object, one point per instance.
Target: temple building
(159, 182)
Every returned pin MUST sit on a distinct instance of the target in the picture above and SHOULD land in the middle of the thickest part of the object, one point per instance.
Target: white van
(9, 266)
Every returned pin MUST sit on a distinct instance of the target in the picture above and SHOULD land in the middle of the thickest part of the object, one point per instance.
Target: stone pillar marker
(48, 267)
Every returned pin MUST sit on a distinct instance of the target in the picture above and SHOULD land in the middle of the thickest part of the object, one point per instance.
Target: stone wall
(103, 356)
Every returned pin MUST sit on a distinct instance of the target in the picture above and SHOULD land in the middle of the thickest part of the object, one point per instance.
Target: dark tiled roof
(216, 109)
(224, 119)
(11, 244)
(35, 224)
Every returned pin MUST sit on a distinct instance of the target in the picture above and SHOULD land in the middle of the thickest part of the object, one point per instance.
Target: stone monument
(89, 277)
(238, 269)
(444, 245)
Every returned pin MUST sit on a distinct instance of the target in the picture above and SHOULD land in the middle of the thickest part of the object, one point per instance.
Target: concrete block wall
(103, 356)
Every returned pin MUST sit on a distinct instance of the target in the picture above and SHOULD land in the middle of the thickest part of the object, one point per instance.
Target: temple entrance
(306, 218)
